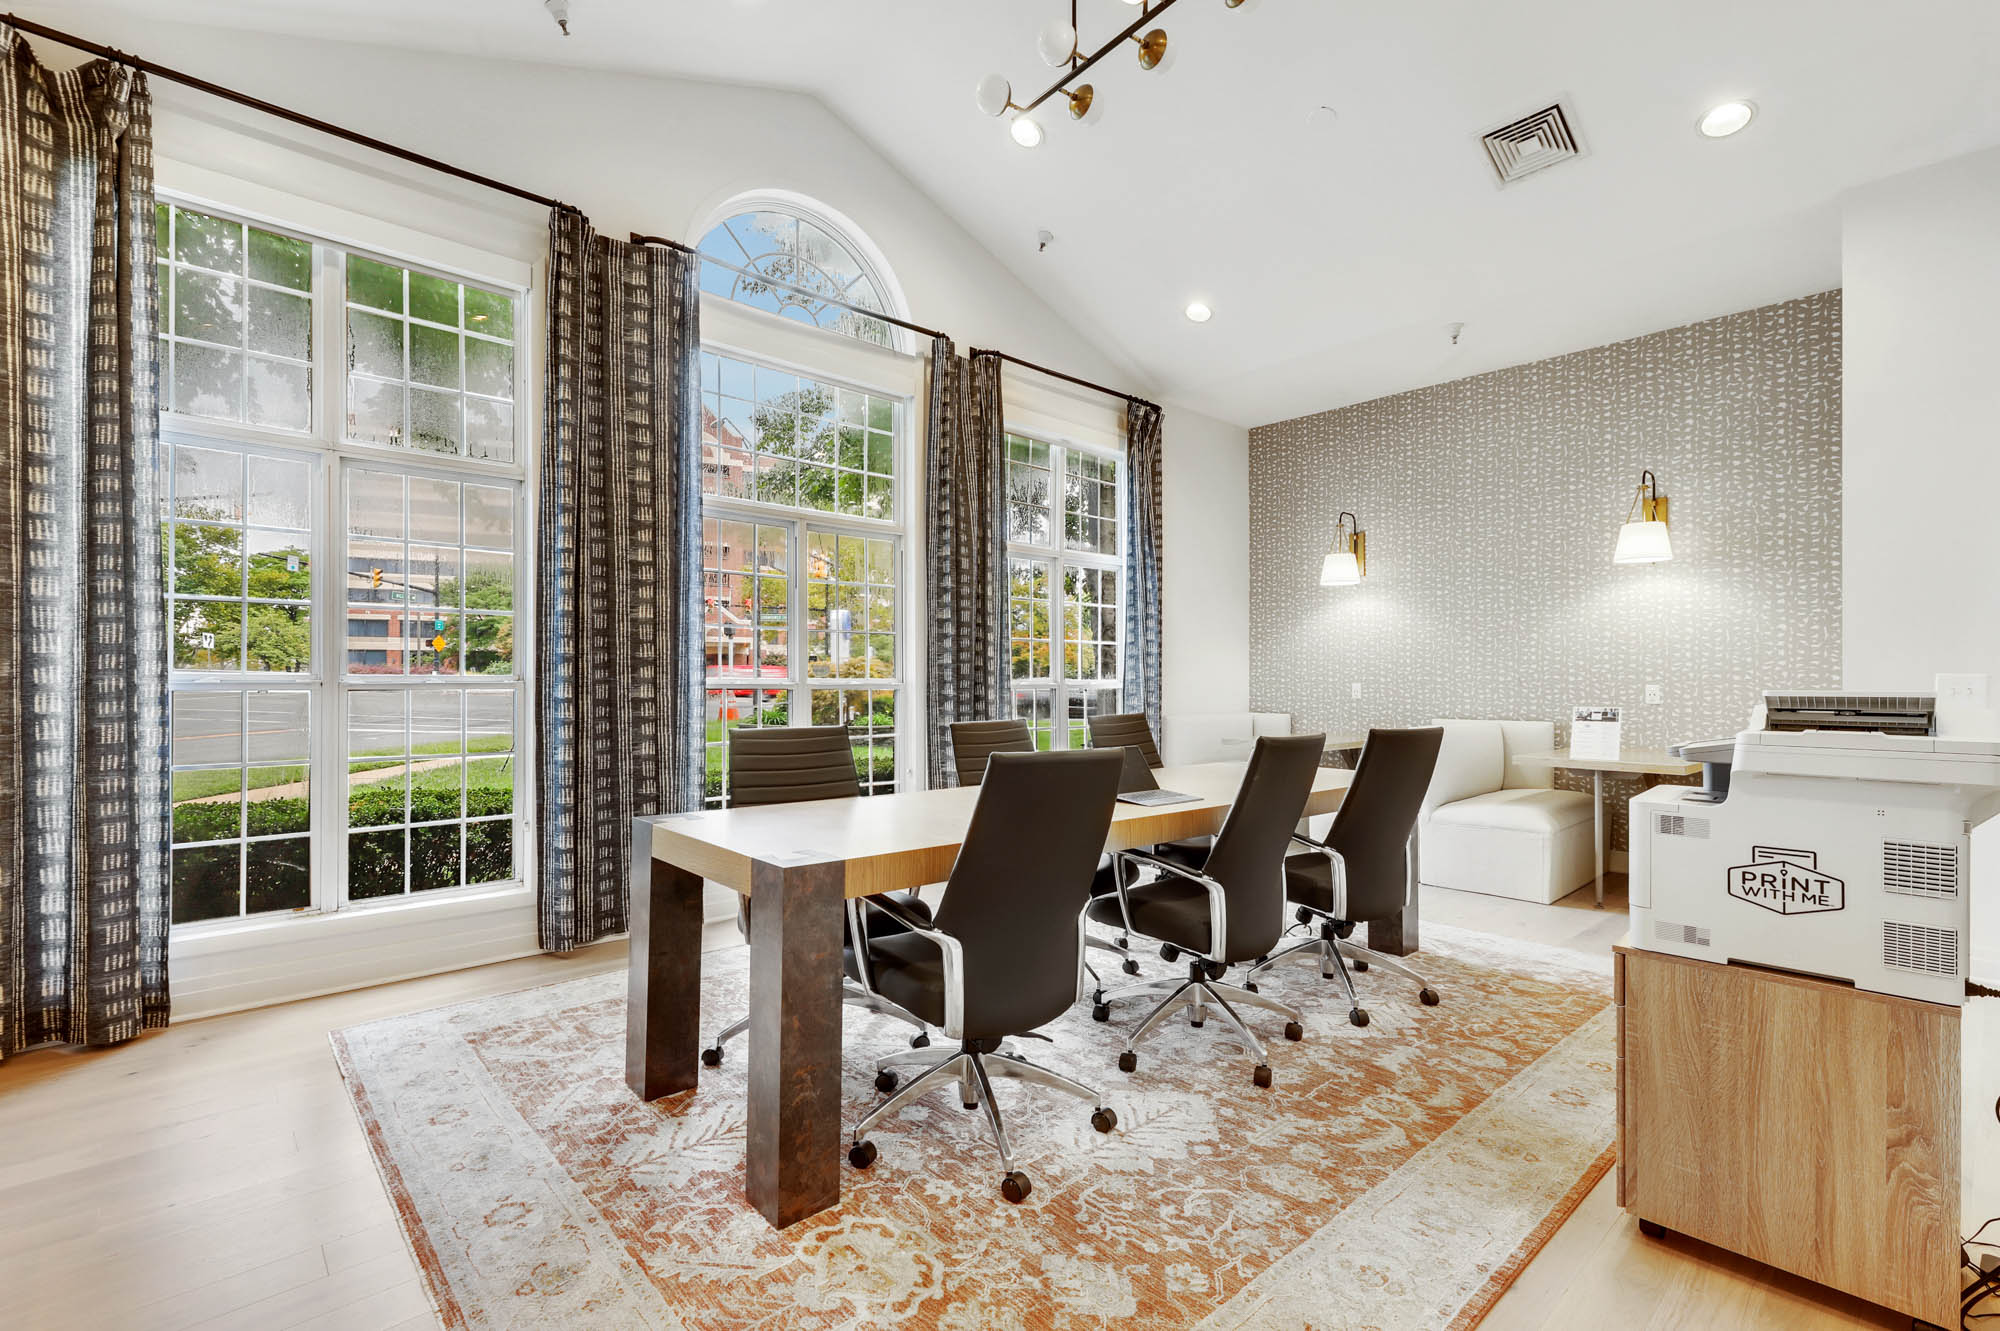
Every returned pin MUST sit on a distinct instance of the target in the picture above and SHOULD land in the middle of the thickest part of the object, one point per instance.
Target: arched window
(788, 260)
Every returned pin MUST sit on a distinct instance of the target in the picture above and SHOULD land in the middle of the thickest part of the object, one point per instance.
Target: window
(1065, 575)
(342, 571)
(801, 561)
(796, 260)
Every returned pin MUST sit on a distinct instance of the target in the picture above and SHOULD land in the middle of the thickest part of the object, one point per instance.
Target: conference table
(798, 863)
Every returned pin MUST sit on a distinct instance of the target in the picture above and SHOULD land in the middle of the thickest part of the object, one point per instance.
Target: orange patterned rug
(1397, 1175)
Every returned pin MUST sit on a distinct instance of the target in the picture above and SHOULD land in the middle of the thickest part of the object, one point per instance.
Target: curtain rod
(446, 168)
(1133, 398)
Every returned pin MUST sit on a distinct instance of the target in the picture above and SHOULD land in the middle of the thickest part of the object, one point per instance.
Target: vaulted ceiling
(1335, 246)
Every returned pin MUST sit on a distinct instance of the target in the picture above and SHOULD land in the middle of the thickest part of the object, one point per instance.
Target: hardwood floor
(212, 1177)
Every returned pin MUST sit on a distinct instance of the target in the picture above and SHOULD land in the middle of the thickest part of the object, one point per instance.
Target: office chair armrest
(950, 951)
(1218, 899)
(1311, 844)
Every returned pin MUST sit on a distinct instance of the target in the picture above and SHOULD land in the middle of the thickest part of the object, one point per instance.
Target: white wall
(1206, 563)
(1920, 260)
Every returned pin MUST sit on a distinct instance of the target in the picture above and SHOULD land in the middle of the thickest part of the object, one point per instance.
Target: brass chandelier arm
(1147, 13)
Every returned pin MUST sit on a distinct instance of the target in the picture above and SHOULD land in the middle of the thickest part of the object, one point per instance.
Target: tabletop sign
(1594, 732)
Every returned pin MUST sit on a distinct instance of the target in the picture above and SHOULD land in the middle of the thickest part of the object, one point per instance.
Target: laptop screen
(1136, 776)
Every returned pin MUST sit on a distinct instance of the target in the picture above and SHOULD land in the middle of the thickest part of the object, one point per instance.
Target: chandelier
(1058, 45)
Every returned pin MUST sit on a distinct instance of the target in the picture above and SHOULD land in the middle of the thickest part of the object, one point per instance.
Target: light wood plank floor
(212, 1176)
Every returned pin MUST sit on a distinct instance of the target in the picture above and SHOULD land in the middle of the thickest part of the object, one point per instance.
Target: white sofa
(1489, 825)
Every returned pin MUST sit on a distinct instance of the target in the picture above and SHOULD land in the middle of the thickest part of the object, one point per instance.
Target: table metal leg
(1597, 804)
(663, 973)
(792, 1159)
(1398, 937)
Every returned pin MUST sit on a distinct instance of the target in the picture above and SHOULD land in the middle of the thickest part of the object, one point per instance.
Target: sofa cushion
(1471, 761)
(1532, 810)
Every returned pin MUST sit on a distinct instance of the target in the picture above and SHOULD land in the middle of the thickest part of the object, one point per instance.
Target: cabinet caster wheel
(1131, 967)
(861, 1154)
(1429, 997)
(1168, 952)
(1262, 1076)
(712, 1058)
(885, 1081)
(1015, 1187)
(1294, 1032)
(1652, 1229)
(1360, 966)
(1103, 1120)
(1359, 1016)
(1128, 1061)
(921, 1040)
(1250, 985)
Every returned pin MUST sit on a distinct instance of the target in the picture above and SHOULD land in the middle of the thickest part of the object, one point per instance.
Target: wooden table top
(891, 842)
(1651, 762)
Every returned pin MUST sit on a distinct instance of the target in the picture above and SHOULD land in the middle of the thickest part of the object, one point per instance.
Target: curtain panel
(84, 906)
(1144, 539)
(618, 652)
(966, 600)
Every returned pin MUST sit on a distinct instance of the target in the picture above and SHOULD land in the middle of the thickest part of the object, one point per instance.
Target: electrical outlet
(1354, 691)
(1964, 690)
(1655, 694)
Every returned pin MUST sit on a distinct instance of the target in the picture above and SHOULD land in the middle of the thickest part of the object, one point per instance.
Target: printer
(1832, 838)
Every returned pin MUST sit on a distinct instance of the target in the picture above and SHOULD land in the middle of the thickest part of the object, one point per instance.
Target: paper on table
(1594, 733)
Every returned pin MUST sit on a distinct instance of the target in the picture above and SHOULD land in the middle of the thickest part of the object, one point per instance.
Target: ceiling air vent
(1525, 146)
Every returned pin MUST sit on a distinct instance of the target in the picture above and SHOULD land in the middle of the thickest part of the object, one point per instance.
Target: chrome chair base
(853, 995)
(1200, 993)
(1334, 954)
(973, 1068)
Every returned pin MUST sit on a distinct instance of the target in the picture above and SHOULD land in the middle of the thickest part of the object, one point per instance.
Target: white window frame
(1060, 558)
(901, 529)
(332, 456)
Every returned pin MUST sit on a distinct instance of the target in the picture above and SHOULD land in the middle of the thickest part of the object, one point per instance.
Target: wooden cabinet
(1806, 1124)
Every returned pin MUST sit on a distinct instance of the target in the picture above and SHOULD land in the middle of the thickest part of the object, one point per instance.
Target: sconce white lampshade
(1643, 543)
(1341, 569)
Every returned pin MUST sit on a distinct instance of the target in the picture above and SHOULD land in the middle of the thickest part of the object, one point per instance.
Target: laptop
(1136, 784)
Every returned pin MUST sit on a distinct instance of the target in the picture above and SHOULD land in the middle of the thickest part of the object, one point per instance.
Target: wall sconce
(1348, 560)
(1644, 541)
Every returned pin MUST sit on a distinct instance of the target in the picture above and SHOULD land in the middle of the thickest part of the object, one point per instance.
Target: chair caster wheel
(1128, 1061)
(1359, 1016)
(1262, 1076)
(1652, 1229)
(1294, 1031)
(1015, 1187)
(1250, 985)
(970, 1104)
(1131, 967)
(1195, 1024)
(861, 1154)
(1360, 966)
(1123, 941)
(1103, 1120)
(712, 1058)
(885, 1081)
(1429, 997)
(1100, 1012)
(1168, 952)
(921, 1040)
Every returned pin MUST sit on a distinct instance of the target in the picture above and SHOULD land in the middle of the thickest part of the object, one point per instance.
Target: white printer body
(1837, 843)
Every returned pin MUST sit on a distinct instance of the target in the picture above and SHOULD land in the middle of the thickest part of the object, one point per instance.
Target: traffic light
(375, 576)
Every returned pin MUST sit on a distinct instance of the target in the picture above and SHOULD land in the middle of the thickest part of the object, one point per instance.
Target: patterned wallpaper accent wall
(1492, 504)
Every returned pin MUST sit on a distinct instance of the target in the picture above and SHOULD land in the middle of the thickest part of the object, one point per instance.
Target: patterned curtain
(1145, 534)
(618, 651)
(966, 607)
(83, 762)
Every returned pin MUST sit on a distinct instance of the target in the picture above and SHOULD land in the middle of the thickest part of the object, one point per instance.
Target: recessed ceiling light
(1199, 312)
(1726, 119)
(1026, 132)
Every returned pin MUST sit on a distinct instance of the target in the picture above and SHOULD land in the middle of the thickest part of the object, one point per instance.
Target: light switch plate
(1962, 690)
(1354, 690)
(1655, 694)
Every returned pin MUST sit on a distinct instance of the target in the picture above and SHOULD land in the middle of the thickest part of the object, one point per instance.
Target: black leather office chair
(1125, 729)
(1005, 954)
(1229, 910)
(1361, 872)
(973, 742)
(796, 763)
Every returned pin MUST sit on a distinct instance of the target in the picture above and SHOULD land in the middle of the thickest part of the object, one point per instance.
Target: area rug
(1395, 1176)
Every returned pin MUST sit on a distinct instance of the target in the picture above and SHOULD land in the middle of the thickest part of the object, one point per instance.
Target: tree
(209, 561)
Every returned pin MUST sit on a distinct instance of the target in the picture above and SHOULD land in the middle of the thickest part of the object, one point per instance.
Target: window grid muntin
(242, 765)
(408, 384)
(724, 242)
(168, 267)
(863, 426)
(172, 523)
